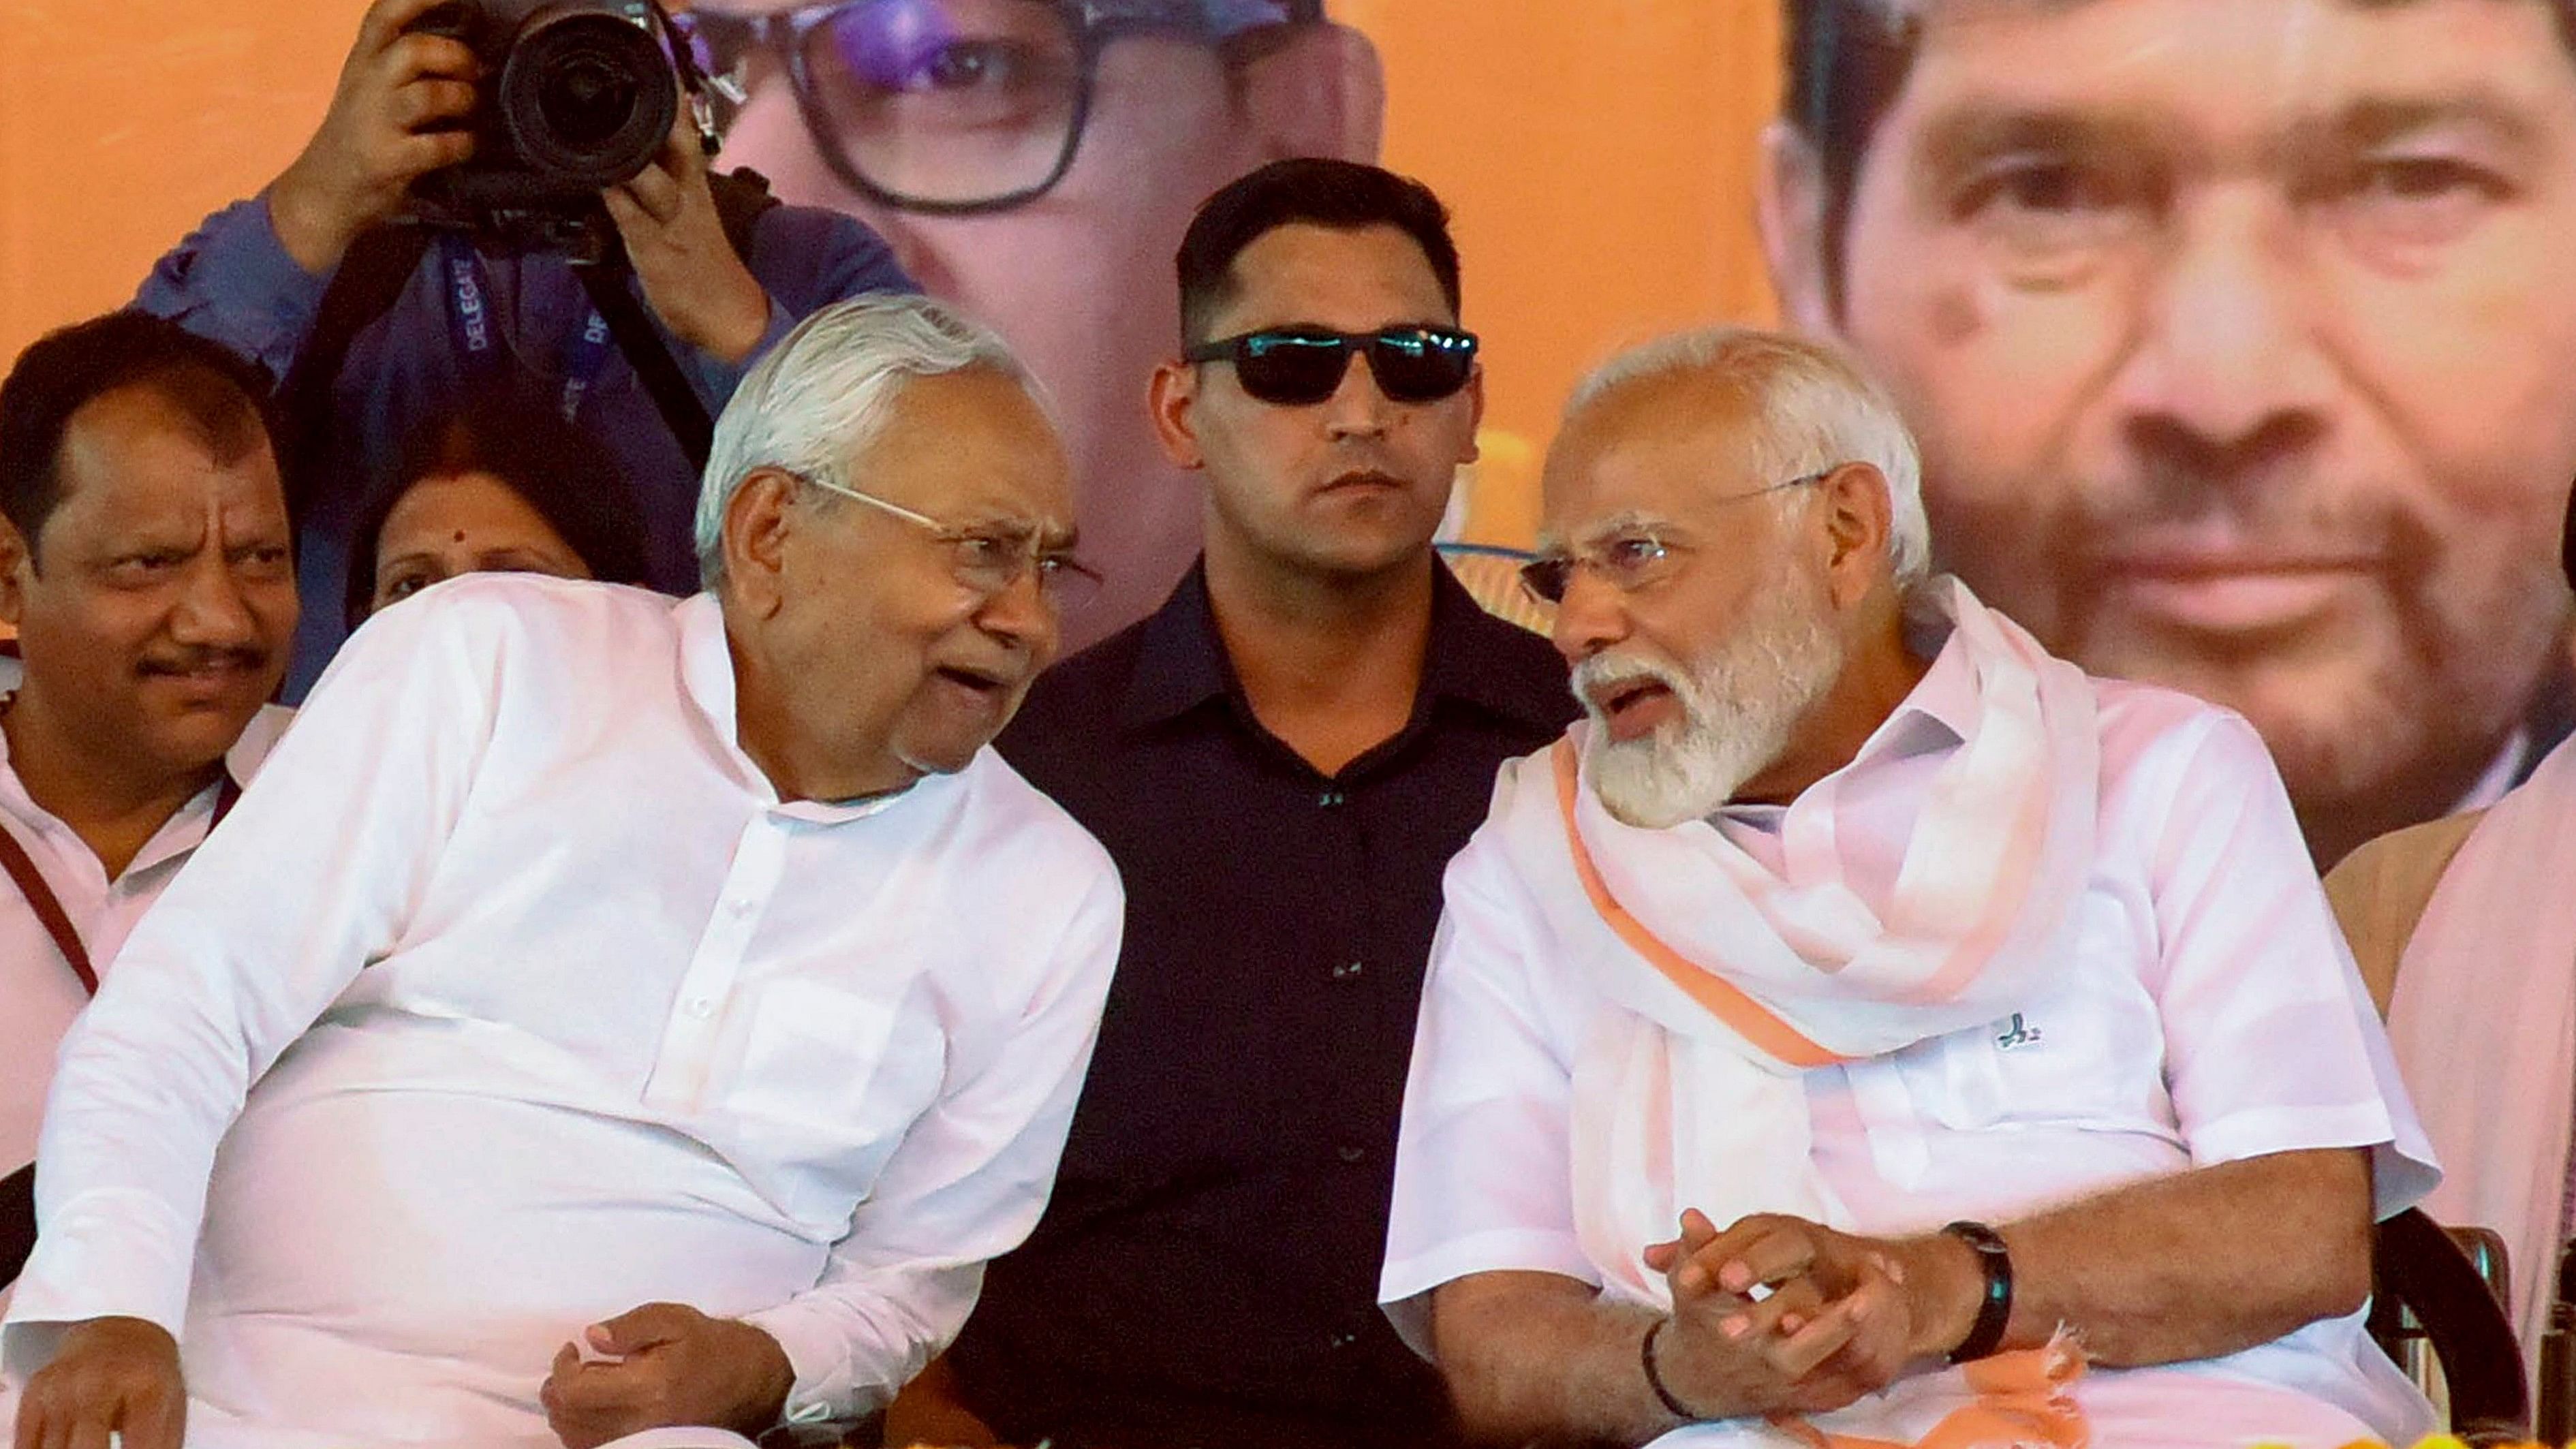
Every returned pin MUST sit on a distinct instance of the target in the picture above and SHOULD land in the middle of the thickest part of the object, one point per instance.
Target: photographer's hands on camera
(1839, 1316)
(398, 114)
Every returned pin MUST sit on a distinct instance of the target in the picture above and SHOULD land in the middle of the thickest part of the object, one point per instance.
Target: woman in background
(502, 484)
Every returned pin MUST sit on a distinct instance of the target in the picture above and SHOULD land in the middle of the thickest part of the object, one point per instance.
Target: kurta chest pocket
(829, 1082)
(2066, 1059)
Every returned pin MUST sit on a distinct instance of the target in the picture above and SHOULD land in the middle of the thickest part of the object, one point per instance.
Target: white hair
(826, 391)
(1814, 410)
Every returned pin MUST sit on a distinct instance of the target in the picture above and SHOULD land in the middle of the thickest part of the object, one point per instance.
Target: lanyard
(474, 331)
(49, 907)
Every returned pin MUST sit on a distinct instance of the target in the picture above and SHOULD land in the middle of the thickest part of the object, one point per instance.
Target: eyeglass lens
(1298, 369)
(1626, 562)
(989, 564)
(948, 101)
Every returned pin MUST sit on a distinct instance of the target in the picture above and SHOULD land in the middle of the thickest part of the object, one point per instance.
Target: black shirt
(1206, 1273)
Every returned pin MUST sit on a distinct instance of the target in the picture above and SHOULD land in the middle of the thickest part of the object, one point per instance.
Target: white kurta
(546, 1007)
(2209, 1013)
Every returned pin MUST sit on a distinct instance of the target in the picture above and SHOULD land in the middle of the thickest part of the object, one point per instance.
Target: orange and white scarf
(1735, 979)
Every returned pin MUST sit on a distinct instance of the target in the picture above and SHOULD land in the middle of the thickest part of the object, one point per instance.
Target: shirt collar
(706, 665)
(187, 826)
(1181, 661)
(249, 749)
(1937, 714)
(706, 675)
(1946, 696)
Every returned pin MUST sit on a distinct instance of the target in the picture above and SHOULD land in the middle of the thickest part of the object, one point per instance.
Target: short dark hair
(1314, 191)
(1846, 60)
(223, 397)
(565, 474)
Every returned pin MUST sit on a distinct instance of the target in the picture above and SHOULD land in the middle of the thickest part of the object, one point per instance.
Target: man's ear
(1859, 518)
(1171, 398)
(17, 574)
(1790, 209)
(757, 523)
(1319, 90)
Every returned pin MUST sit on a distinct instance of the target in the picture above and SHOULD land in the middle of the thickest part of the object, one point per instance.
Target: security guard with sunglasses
(1281, 761)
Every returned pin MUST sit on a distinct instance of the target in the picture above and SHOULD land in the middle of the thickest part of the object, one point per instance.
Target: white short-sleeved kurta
(2210, 1013)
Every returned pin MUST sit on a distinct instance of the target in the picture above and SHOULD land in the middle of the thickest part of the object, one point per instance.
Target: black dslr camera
(576, 96)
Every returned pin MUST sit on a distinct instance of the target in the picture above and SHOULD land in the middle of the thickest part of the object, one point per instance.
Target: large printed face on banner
(1036, 161)
(2241, 339)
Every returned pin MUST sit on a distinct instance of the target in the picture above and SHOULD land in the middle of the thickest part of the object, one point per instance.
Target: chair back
(2435, 1300)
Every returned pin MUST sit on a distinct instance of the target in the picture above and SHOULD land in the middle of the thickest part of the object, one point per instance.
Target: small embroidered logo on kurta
(2018, 1034)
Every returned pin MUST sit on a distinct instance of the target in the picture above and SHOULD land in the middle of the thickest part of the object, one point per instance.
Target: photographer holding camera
(413, 109)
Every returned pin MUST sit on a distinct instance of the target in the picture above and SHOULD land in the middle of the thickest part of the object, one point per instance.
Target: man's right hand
(1808, 1347)
(118, 1374)
(380, 135)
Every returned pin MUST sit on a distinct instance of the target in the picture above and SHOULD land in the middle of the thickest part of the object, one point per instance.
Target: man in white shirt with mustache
(608, 1013)
(147, 572)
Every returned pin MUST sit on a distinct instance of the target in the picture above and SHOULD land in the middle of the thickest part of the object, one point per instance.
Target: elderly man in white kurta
(1849, 914)
(607, 1012)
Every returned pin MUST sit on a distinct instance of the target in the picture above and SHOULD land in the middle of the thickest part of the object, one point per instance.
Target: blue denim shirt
(233, 281)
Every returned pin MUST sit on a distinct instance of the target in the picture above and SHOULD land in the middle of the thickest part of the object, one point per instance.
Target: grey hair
(1817, 410)
(826, 391)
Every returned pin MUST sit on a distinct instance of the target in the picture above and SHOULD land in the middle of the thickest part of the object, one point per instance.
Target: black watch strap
(1995, 1309)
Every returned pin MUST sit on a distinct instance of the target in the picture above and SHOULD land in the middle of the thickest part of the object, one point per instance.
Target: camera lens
(587, 96)
(586, 101)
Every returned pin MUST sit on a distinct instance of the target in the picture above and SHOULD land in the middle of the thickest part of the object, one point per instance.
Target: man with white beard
(1850, 913)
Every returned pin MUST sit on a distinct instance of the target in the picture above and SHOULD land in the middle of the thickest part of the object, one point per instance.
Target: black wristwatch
(1995, 1310)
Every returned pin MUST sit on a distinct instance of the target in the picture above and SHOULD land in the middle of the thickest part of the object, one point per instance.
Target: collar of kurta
(1182, 663)
(249, 750)
(706, 676)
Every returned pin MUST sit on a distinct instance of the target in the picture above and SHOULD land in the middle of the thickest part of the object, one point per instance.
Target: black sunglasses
(1302, 366)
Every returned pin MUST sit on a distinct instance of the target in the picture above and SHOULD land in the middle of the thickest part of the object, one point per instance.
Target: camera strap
(373, 276)
(473, 328)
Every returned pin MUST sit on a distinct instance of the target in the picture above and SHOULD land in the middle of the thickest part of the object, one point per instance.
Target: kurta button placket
(688, 1042)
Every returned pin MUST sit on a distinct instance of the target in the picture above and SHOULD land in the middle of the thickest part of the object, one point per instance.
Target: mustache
(1604, 673)
(2297, 510)
(206, 658)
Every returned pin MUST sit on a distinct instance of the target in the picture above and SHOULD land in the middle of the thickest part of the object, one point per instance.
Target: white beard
(1739, 704)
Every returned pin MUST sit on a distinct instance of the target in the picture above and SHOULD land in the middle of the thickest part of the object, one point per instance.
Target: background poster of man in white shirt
(2240, 336)
(145, 568)
(650, 1013)
(1871, 931)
